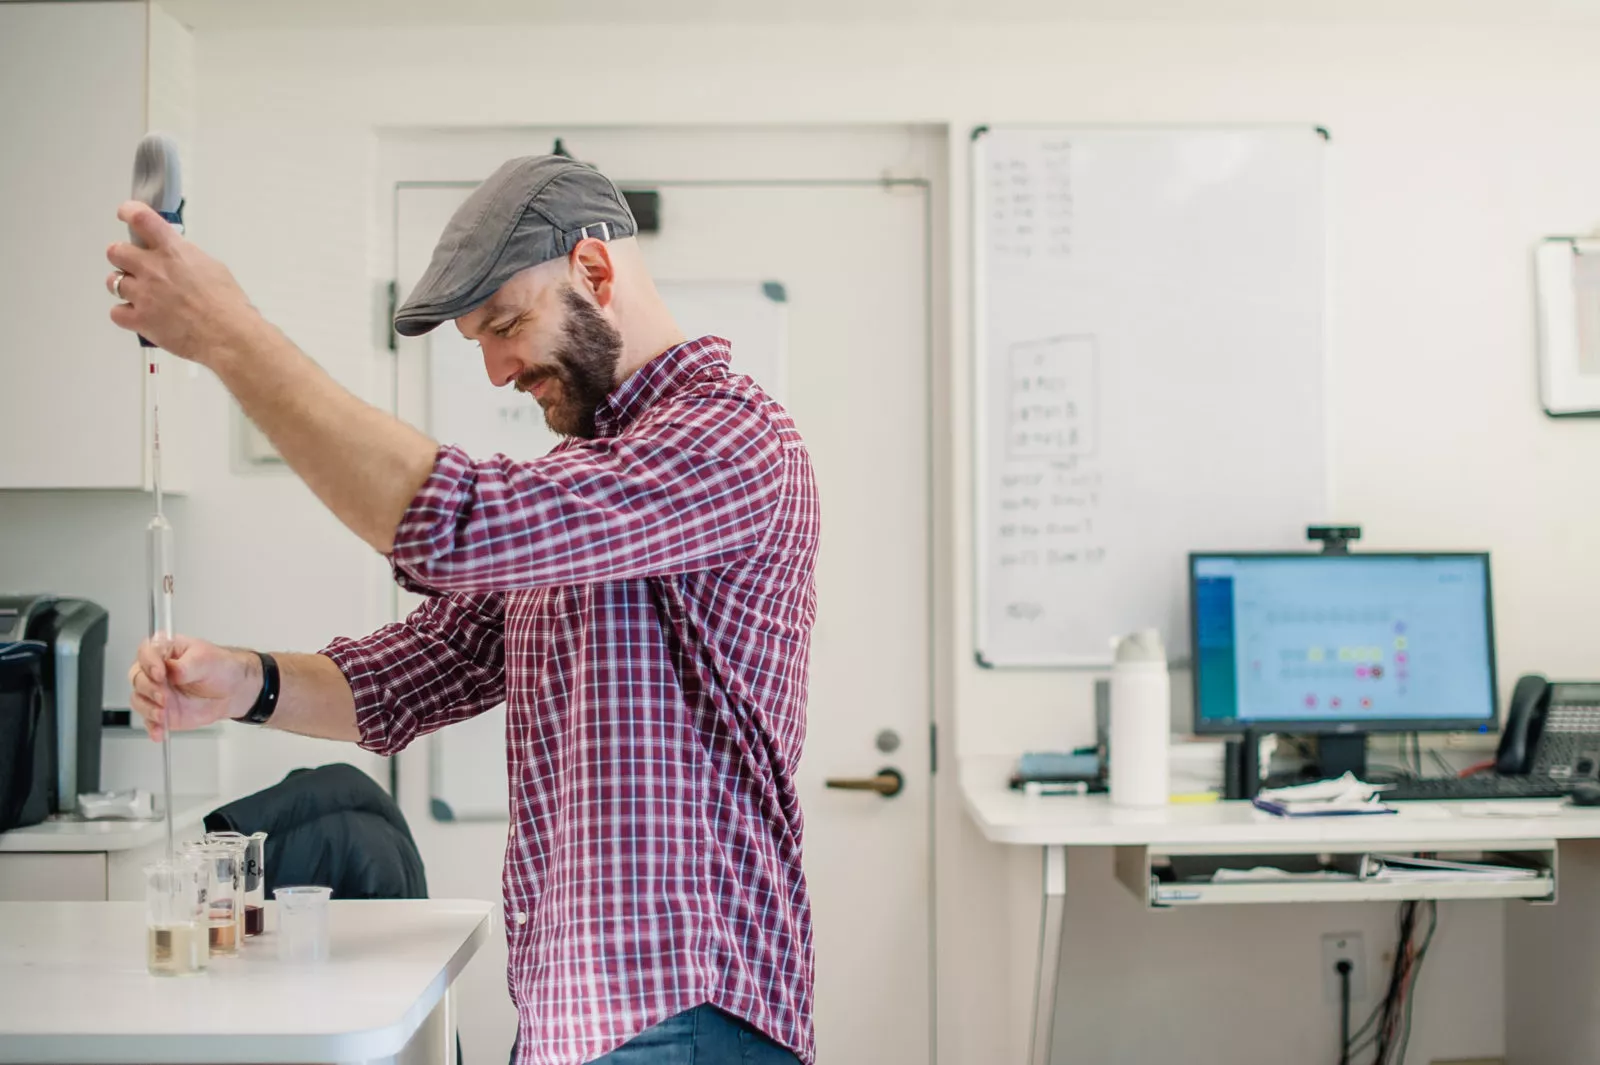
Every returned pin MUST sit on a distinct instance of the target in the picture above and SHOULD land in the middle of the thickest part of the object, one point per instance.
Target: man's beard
(585, 370)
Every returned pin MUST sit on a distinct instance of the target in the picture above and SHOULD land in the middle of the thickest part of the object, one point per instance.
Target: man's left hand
(175, 295)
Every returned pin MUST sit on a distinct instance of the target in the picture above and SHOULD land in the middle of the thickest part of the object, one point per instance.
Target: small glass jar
(255, 876)
(224, 863)
(175, 917)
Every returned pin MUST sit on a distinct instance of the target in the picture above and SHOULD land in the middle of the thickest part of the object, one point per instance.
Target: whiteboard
(467, 761)
(1149, 359)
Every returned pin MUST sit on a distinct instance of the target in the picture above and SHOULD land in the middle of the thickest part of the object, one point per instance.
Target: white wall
(1453, 150)
(89, 544)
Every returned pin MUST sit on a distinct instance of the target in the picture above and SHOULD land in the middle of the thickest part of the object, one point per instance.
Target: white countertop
(73, 835)
(1008, 816)
(76, 989)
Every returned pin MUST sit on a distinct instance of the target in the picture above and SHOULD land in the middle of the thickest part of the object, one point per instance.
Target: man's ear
(594, 270)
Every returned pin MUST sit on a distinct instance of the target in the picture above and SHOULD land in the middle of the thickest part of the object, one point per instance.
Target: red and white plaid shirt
(643, 604)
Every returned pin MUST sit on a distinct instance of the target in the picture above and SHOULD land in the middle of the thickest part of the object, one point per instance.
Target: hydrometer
(158, 182)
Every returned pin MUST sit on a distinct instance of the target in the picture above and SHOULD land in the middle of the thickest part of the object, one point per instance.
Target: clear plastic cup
(176, 939)
(224, 863)
(303, 924)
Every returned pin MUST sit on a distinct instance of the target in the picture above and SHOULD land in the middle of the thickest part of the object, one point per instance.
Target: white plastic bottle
(1141, 718)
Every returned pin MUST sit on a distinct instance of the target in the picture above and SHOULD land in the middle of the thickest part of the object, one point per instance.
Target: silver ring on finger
(116, 284)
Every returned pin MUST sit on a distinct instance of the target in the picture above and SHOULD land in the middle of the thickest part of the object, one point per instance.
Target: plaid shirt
(643, 604)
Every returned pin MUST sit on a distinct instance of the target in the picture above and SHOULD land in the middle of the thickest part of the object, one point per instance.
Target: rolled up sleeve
(693, 492)
(444, 663)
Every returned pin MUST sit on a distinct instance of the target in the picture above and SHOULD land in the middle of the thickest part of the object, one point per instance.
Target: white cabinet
(53, 877)
(82, 876)
(92, 861)
(80, 83)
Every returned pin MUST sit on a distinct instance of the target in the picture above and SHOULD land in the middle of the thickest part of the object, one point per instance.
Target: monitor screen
(1336, 643)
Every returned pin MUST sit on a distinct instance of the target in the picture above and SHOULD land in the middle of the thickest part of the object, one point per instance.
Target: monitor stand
(1340, 753)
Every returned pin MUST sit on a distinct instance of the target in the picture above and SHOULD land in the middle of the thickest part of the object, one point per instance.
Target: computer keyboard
(1481, 786)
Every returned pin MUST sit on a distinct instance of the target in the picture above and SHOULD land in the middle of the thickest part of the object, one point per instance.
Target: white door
(820, 273)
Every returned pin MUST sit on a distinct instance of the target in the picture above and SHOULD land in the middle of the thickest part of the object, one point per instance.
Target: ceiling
(224, 14)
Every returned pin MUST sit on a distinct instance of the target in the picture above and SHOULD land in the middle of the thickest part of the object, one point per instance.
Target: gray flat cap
(529, 211)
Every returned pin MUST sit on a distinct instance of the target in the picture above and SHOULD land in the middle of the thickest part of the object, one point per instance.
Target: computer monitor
(1340, 645)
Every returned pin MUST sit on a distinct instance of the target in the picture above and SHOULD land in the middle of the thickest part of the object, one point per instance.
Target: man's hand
(189, 684)
(175, 295)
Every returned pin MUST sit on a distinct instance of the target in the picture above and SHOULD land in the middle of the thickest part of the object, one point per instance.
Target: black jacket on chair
(333, 827)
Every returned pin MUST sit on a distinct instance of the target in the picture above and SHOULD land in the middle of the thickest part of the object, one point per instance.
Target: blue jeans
(701, 1036)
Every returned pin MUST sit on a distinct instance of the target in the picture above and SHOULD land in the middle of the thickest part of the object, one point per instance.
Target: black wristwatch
(267, 701)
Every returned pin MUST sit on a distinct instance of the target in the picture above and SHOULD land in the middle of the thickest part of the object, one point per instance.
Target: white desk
(76, 989)
(1057, 823)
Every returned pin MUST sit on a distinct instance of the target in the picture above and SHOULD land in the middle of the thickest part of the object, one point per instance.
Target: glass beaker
(175, 917)
(255, 885)
(303, 924)
(255, 876)
(224, 864)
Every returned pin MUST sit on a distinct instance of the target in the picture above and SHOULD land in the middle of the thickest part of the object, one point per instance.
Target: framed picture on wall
(1567, 273)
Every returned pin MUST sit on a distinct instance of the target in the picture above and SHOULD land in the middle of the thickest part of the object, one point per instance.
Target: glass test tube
(158, 556)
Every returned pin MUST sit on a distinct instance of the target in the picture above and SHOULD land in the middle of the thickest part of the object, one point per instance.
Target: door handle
(887, 783)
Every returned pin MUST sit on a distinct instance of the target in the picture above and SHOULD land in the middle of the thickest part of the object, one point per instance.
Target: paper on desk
(1346, 794)
(1273, 873)
(133, 805)
(1402, 867)
(1347, 788)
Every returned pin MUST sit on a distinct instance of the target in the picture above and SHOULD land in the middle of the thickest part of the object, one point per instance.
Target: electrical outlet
(1348, 946)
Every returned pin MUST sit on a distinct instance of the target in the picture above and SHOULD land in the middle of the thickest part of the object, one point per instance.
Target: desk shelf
(1168, 877)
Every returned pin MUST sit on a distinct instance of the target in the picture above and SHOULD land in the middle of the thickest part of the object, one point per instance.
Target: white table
(66, 859)
(76, 989)
(1057, 823)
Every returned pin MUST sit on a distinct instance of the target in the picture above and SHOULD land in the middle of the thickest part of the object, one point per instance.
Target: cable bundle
(1389, 1025)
